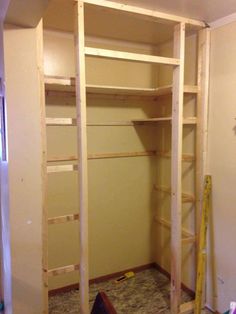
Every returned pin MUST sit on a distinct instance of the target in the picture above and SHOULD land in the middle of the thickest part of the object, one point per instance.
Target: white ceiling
(205, 10)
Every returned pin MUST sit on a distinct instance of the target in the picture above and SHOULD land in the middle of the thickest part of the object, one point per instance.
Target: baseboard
(117, 274)
(102, 278)
(189, 291)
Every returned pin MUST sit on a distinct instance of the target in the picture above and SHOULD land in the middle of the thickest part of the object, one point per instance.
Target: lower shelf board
(63, 219)
(62, 270)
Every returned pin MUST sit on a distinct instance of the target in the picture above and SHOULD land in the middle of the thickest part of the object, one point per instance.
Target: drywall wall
(121, 197)
(6, 293)
(222, 167)
(25, 147)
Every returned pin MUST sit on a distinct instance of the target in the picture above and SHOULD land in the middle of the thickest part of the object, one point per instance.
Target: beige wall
(24, 113)
(121, 200)
(222, 166)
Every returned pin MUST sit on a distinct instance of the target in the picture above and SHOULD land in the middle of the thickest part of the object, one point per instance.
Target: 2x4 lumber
(176, 167)
(187, 307)
(185, 157)
(105, 156)
(186, 198)
(44, 221)
(61, 168)
(202, 115)
(80, 86)
(63, 219)
(167, 224)
(62, 270)
(145, 13)
(129, 56)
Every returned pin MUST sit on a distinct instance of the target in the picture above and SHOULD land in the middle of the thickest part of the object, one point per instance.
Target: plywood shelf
(63, 84)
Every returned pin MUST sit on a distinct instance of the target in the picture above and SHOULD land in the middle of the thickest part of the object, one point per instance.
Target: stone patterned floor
(146, 293)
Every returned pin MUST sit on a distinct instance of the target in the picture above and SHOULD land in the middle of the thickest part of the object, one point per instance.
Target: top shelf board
(62, 84)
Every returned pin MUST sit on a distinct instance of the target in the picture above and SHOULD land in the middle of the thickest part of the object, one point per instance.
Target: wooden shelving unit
(62, 84)
(78, 88)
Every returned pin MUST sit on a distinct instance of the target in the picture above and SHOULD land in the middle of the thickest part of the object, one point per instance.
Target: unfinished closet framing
(176, 121)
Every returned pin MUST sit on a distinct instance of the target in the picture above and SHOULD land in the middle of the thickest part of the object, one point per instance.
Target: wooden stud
(185, 157)
(176, 168)
(82, 154)
(129, 56)
(63, 219)
(43, 167)
(202, 115)
(202, 126)
(145, 13)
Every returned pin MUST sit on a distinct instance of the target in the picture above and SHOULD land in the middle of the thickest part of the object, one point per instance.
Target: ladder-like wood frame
(176, 156)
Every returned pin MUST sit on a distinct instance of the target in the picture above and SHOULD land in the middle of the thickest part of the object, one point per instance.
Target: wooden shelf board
(63, 219)
(63, 84)
(62, 270)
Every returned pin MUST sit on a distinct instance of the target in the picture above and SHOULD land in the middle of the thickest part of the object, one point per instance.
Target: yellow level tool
(201, 263)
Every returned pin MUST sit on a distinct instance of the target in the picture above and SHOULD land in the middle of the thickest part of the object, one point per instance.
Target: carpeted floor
(146, 293)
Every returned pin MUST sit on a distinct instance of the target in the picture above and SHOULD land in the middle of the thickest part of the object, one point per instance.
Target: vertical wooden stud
(202, 123)
(44, 166)
(176, 167)
(82, 154)
(202, 118)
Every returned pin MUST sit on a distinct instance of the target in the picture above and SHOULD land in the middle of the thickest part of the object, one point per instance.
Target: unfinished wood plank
(145, 13)
(185, 157)
(186, 198)
(60, 121)
(63, 84)
(176, 168)
(62, 270)
(187, 307)
(61, 168)
(129, 56)
(43, 152)
(167, 224)
(202, 115)
(82, 155)
(189, 240)
(63, 219)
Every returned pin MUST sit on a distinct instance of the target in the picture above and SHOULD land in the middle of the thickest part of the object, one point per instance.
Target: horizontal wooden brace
(62, 270)
(145, 13)
(186, 198)
(185, 157)
(62, 219)
(167, 224)
(187, 307)
(129, 56)
(104, 156)
(61, 168)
